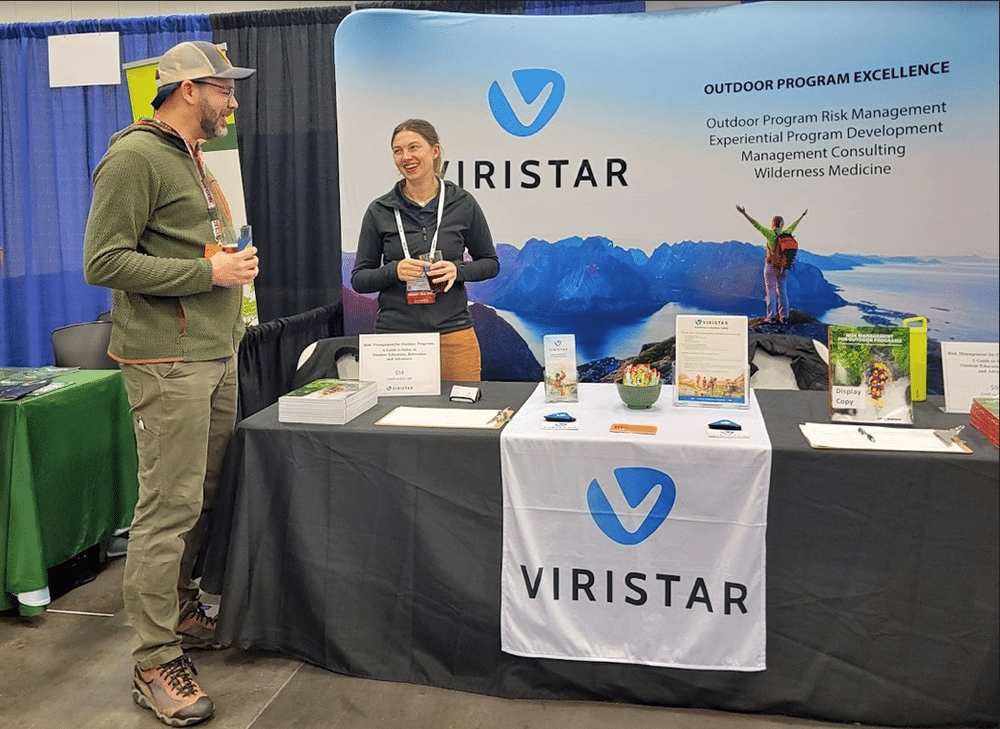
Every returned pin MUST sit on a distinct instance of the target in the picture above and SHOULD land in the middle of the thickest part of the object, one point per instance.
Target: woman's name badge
(419, 291)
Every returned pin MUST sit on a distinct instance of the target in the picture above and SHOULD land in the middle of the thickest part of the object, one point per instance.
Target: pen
(866, 434)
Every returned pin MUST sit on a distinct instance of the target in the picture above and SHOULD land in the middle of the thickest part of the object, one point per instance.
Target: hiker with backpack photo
(781, 250)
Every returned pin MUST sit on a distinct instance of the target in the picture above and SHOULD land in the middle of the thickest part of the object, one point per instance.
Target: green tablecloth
(68, 479)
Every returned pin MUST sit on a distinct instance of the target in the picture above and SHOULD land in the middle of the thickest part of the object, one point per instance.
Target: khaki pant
(460, 357)
(183, 414)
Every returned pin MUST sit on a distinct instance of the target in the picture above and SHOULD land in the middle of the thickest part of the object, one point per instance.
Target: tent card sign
(970, 370)
(560, 368)
(401, 364)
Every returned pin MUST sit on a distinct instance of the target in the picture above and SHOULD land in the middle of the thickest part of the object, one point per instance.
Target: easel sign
(710, 361)
(401, 364)
(970, 370)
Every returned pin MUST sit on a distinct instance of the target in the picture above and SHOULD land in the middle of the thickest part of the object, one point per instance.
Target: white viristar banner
(628, 548)
(609, 153)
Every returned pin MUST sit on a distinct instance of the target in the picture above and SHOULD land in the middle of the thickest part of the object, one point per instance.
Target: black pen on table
(866, 434)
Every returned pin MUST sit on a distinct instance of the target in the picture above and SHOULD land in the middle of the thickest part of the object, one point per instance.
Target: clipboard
(876, 438)
(416, 417)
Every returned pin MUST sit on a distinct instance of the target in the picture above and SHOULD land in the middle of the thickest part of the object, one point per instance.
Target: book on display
(327, 402)
(870, 374)
(983, 417)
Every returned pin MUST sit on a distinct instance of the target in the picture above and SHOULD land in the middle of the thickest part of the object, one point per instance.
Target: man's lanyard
(434, 240)
(206, 187)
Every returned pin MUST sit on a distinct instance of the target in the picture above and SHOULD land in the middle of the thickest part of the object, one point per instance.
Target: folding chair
(83, 345)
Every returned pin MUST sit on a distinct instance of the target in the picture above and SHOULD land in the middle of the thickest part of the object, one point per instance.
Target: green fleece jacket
(145, 238)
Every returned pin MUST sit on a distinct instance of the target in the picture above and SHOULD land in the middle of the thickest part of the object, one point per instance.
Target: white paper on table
(444, 418)
(830, 435)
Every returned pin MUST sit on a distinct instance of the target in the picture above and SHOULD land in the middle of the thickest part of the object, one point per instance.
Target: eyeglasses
(230, 91)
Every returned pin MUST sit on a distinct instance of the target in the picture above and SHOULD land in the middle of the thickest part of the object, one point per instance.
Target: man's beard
(210, 125)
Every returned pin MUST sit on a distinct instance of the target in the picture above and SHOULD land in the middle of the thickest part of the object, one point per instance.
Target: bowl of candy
(639, 387)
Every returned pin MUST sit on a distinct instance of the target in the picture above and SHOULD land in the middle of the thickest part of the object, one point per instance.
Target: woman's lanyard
(206, 188)
(434, 240)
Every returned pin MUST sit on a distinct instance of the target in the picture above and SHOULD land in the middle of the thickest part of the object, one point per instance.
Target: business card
(631, 428)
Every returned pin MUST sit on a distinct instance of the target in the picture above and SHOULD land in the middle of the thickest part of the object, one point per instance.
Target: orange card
(211, 249)
(629, 428)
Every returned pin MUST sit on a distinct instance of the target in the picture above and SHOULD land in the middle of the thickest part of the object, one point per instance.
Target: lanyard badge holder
(419, 291)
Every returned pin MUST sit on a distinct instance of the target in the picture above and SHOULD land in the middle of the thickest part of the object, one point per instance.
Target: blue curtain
(50, 142)
(581, 7)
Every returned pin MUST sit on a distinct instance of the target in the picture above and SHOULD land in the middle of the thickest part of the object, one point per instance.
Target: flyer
(711, 361)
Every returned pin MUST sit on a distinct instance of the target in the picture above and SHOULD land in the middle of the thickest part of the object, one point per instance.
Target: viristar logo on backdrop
(637, 484)
(531, 106)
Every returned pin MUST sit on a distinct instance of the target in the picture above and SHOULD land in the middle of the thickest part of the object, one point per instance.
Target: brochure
(27, 375)
(327, 401)
(870, 374)
(560, 368)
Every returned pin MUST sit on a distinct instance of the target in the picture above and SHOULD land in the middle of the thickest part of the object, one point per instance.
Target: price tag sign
(401, 364)
(970, 370)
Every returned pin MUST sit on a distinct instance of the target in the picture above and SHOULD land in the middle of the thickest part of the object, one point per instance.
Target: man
(155, 234)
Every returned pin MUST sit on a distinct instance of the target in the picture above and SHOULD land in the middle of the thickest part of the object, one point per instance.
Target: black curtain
(287, 126)
(269, 354)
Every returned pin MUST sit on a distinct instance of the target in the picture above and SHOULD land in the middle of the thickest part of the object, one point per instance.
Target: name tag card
(401, 364)
(970, 370)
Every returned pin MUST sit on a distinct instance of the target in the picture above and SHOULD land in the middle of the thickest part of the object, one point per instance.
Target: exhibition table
(376, 551)
(68, 479)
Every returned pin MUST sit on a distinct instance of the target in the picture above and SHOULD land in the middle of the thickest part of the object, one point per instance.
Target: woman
(775, 295)
(425, 217)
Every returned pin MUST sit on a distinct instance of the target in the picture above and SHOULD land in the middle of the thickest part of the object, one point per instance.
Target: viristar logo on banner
(637, 485)
(533, 107)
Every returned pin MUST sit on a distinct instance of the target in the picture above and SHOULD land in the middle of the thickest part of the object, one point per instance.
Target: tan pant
(183, 414)
(460, 357)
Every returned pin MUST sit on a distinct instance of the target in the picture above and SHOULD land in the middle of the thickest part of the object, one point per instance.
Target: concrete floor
(70, 669)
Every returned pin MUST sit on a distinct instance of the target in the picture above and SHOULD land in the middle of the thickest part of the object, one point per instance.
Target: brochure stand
(710, 364)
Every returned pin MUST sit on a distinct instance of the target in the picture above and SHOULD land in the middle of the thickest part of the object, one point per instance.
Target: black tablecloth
(376, 551)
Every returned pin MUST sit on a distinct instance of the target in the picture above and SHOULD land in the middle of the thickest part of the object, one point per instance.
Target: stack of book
(983, 417)
(327, 402)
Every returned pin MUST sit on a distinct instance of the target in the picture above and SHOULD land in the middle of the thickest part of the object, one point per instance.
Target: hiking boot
(169, 691)
(197, 631)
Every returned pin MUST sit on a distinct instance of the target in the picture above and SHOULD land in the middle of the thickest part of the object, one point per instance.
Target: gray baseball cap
(192, 60)
(197, 59)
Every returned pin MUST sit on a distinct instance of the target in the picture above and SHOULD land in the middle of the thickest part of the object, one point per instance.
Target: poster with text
(610, 152)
